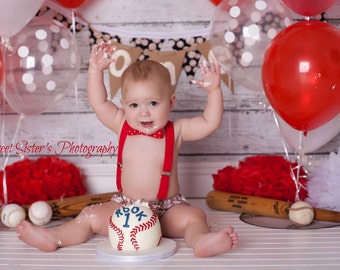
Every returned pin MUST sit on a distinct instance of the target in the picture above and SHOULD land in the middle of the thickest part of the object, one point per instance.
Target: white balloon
(15, 15)
(315, 138)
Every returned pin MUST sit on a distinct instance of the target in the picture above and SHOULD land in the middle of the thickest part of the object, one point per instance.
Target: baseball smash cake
(134, 227)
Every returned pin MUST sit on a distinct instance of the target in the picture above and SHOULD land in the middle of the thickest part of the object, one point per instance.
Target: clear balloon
(44, 63)
(314, 139)
(308, 8)
(300, 73)
(15, 15)
(71, 3)
(240, 33)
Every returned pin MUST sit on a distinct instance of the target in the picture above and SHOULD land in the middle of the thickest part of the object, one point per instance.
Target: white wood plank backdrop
(247, 129)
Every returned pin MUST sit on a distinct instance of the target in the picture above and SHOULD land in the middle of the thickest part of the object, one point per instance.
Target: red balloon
(71, 3)
(308, 8)
(301, 74)
(216, 2)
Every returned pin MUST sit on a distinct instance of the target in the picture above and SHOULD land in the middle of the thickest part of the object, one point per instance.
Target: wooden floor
(259, 248)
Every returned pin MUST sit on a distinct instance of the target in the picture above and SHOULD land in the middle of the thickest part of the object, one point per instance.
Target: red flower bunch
(263, 176)
(47, 178)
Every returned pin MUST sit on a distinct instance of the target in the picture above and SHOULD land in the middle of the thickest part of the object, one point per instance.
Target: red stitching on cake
(142, 227)
(119, 232)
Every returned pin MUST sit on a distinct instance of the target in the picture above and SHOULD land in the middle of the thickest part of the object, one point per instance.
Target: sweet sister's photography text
(59, 148)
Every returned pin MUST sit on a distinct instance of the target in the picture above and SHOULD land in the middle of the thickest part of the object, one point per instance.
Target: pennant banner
(184, 54)
(205, 49)
(125, 55)
(174, 52)
(172, 60)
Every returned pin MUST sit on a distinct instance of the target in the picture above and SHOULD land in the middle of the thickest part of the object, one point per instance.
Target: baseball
(40, 213)
(12, 214)
(301, 214)
(134, 227)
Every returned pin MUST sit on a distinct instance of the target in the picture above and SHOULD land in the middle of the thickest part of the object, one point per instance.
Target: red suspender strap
(122, 138)
(168, 158)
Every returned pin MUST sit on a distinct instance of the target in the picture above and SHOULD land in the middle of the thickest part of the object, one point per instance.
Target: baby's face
(147, 105)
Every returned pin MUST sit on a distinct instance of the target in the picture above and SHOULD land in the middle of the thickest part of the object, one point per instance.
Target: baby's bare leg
(190, 223)
(92, 219)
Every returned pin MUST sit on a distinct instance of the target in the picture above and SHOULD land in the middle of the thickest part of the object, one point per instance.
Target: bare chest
(144, 151)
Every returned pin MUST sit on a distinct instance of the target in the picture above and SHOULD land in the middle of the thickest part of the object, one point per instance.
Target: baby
(147, 161)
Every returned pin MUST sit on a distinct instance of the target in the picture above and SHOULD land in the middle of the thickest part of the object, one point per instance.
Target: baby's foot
(215, 243)
(36, 236)
(233, 235)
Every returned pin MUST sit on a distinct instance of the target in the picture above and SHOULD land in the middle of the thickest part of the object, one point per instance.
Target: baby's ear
(172, 101)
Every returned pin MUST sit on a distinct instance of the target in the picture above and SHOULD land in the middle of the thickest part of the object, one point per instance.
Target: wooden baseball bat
(261, 206)
(71, 206)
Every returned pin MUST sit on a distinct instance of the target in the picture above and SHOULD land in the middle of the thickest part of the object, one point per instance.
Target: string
(76, 95)
(6, 47)
(300, 155)
(4, 180)
(282, 141)
(299, 159)
(229, 125)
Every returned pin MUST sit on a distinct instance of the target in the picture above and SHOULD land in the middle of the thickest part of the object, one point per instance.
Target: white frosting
(134, 227)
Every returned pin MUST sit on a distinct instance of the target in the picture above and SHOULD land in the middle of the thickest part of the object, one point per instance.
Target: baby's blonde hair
(147, 69)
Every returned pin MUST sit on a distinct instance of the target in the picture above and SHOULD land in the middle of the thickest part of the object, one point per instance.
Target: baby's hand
(101, 56)
(211, 76)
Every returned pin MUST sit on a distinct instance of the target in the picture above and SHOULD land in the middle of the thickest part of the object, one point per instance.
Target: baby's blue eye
(133, 105)
(153, 103)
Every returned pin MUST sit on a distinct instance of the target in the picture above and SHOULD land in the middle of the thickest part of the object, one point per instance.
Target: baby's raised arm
(202, 126)
(107, 112)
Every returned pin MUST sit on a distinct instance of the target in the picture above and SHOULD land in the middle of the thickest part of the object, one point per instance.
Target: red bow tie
(159, 134)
